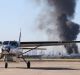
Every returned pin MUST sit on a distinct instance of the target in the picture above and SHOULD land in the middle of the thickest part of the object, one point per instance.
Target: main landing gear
(6, 65)
(28, 64)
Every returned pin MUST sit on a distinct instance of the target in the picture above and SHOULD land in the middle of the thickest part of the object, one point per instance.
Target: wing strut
(30, 50)
(28, 62)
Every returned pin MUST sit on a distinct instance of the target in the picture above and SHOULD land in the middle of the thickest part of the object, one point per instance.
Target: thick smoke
(64, 11)
(64, 6)
(68, 30)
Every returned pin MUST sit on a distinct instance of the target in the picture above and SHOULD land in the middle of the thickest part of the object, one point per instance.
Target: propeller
(1, 55)
(6, 49)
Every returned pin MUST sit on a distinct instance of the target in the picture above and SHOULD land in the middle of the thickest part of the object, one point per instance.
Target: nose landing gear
(6, 61)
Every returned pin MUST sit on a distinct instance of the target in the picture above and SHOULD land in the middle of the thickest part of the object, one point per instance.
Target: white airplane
(14, 48)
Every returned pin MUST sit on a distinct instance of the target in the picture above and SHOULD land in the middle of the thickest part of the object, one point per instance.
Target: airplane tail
(20, 37)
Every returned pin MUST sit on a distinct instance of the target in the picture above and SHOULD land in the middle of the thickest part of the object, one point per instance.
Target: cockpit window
(5, 42)
(13, 43)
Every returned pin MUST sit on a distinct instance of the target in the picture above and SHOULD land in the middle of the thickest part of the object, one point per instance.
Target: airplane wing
(37, 44)
(46, 43)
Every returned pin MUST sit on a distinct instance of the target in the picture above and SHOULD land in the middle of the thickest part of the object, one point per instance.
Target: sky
(16, 14)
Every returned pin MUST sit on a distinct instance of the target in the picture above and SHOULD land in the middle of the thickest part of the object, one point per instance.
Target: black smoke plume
(68, 30)
(64, 6)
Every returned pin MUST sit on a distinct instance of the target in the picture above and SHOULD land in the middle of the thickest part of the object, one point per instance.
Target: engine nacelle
(6, 48)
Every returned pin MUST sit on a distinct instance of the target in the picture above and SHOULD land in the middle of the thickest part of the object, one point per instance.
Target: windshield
(5, 42)
(13, 43)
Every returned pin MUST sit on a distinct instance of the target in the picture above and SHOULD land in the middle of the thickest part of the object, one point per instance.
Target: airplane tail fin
(20, 37)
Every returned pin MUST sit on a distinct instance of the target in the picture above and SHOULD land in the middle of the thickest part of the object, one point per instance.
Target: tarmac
(41, 68)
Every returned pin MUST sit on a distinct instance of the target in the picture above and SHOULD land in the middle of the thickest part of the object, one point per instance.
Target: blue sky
(16, 14)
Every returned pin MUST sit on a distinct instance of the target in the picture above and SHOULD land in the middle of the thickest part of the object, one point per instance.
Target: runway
(41, 68)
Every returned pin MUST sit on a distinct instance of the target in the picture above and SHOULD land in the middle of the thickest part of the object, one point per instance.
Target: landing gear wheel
(6, 65)
(28, 64)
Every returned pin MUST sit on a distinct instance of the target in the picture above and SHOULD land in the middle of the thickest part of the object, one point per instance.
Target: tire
(28, 64)
(6, 65)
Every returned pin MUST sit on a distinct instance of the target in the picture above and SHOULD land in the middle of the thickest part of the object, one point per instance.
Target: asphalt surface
(41, 68)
